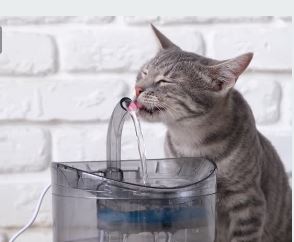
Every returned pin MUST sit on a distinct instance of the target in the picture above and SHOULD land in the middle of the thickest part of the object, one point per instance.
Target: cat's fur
(205, 116)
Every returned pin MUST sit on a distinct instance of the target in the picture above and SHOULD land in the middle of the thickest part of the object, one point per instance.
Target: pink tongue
(139, 105)
(134, 106)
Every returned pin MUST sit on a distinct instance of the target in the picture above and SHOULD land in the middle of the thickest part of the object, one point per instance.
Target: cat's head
(177, 85)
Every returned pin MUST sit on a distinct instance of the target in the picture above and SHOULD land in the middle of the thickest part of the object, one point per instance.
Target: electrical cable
(35, 214)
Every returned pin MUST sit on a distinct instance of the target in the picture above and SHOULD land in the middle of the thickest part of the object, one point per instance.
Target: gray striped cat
(205, 116)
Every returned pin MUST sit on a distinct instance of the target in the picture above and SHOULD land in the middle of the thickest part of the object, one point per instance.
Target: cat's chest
(192, 150)
(188, 149)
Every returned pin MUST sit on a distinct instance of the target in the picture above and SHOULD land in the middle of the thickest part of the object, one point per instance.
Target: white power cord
(35, 214)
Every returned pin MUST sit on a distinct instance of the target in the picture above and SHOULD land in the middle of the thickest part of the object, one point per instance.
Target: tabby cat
(205, 116)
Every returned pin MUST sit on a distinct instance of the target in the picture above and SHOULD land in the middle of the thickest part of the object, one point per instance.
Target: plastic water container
(97, 201)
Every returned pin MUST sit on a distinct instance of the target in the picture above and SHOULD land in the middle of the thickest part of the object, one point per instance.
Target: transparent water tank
(178, 205)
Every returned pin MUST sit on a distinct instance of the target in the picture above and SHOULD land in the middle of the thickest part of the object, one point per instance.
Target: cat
(205, 116)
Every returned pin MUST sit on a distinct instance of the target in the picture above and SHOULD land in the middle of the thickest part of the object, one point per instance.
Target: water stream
(141, 145)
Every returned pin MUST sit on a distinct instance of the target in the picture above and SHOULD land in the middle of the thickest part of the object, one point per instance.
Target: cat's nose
(138, 90)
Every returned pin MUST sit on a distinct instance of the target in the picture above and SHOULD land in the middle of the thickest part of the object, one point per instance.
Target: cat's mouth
(147, 110)
(151, 111)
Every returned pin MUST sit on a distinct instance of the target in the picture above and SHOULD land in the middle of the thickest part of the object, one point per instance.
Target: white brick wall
(60, 77)
(27, 54)
(23, 149)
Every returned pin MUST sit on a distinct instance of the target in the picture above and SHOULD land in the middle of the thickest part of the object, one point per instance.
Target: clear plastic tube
(116, 122)
(119, 114)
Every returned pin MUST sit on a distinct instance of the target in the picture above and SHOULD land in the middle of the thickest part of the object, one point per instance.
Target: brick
(86, 143)
(81, 100)
(24, 20)
(141, 19)
(245, 19)
(23, 149)
(270, 46)
(178, 19)
(93, 19)
(21, 193)
(116, 49)
(19, 100)
(27, 54)
(37, 20)
(287, 18)
(210, 19)
(77, 100)
(263, 96)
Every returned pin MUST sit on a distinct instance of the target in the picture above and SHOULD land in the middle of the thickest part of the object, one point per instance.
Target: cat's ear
(163, 41)
(226, 73)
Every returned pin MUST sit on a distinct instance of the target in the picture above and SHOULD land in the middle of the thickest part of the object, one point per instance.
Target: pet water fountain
(116, 201)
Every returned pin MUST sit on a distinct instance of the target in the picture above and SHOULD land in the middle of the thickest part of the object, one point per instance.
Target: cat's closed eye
(162, 81)
(144, 73)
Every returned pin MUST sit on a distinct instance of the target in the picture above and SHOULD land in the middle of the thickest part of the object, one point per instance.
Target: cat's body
(250, 177)
(194, 97)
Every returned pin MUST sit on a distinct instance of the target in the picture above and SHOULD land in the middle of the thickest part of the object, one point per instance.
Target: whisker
(162, 107)
(169, 109)
(151, 99)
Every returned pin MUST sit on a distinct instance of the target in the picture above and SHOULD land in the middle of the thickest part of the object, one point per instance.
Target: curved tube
(113, 148)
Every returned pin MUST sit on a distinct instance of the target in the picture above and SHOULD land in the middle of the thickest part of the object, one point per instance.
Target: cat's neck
(197, 129)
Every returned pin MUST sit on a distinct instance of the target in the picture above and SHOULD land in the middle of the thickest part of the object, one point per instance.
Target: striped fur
(205, 116)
